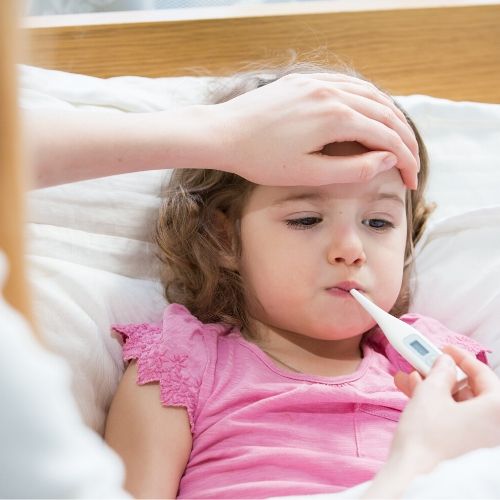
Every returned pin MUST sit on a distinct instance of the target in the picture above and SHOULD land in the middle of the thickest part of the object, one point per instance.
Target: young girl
(272, 380)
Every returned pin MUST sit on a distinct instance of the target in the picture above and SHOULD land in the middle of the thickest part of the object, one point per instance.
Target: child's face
(302, 246)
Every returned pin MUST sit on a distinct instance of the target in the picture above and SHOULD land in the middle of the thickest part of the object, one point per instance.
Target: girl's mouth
(346, 286)
(339, 292)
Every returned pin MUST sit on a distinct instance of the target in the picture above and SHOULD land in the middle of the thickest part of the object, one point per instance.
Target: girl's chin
(344, 329)
(331, 332)
(324, 326)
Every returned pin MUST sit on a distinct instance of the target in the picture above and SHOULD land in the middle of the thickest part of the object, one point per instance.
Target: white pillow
(457, 276)
(463, 140)
(92, 264)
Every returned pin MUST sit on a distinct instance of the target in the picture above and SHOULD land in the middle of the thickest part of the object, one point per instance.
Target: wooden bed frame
(442, 48)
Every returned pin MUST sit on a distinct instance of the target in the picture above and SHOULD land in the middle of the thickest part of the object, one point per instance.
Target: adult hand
(272, 135)
(275, 134)
(437, 426)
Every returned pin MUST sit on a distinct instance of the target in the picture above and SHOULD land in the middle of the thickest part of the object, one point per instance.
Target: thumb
(407, 382)
(326, 169)
(443, 374)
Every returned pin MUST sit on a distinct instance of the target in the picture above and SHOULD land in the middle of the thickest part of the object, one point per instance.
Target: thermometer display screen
(419, 347)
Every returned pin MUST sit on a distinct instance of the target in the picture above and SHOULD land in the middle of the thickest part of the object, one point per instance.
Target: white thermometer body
(417, 349)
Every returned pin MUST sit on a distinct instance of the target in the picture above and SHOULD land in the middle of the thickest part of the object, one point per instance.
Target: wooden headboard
(441, 48)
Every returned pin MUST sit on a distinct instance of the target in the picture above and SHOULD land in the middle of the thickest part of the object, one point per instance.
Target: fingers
(444, 371)
(407, 382)
(415, 379)
(376, 136)
(442, 376)
(341, 77)
(481, 377)
(440, 381)
(325, 169)
(362, 87)
(401, 380)
(463, 394)
(369, 92)
(371, 103)
(368, 103)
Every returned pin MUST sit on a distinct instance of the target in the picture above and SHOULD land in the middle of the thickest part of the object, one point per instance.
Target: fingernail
(389, 161)
(446, 360)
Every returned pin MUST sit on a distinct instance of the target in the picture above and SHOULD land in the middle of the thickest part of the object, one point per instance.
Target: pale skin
(272, 136)
(361, 236)
(153, 441)
(299, 244)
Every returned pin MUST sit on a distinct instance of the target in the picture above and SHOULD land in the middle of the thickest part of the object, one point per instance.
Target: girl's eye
(378, 224)
(303, 222)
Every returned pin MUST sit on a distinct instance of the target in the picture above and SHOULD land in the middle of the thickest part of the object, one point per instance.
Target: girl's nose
(346, 247)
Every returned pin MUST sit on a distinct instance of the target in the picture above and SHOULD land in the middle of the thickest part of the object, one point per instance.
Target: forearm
(271, 135)
(68, 146)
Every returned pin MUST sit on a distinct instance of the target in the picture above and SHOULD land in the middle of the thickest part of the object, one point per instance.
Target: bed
(90, 251)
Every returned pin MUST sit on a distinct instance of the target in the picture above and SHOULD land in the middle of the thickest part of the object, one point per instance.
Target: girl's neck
(303, 354)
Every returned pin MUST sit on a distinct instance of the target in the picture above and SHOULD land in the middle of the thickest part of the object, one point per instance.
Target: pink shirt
(260, 430)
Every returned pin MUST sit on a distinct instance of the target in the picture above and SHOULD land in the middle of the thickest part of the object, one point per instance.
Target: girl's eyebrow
(387, 196)
(306, 195)
(321, 196)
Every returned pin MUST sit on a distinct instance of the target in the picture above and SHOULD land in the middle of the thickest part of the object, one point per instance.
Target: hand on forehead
(348, 148)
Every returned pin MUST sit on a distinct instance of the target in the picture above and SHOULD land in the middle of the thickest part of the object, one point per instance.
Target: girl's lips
(346, 286)
(342, 289)
(338, 292)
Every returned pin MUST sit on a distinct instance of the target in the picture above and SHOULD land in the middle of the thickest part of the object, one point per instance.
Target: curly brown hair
(194, 247)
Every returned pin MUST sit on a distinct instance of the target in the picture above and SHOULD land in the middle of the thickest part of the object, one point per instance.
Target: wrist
(391, 481)
(197, 136)
(218, 130)
(399, 471)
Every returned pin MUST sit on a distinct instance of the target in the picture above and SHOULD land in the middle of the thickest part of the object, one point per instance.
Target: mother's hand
(274, 134)
(437, 426)
(441, 425)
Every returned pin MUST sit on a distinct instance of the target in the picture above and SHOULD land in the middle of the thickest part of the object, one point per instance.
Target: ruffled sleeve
(174, 354)
(436, 332)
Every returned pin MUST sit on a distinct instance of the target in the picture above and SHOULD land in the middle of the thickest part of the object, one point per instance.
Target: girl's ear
(228, 238)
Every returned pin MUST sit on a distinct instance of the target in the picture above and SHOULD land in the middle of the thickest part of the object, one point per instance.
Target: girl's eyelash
(303, 222)
(310, 222)
(380, 224)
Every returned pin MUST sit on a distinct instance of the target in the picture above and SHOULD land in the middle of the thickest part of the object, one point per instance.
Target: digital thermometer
(418, 350)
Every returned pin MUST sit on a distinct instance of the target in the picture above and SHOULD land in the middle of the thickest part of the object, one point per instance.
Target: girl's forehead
(385, 185)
